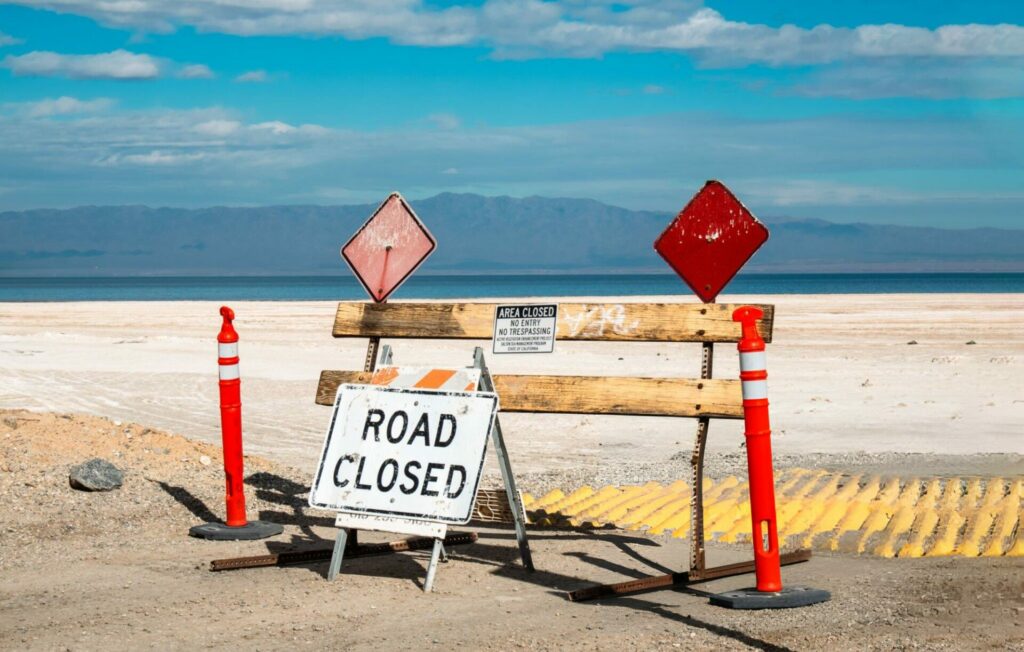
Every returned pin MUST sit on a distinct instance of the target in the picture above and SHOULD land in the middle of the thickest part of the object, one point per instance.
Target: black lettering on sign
(461, 470)
(445, 418)
(337, 469)
(388, 464)
(411, 489)
(359, 475)
(429, 477)
(422, 430)
(392, 437)
(371, 422)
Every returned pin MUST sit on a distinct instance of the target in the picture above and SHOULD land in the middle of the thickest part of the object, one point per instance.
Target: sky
(887, 112)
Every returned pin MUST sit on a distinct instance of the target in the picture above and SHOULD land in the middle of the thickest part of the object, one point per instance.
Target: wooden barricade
(701, 398)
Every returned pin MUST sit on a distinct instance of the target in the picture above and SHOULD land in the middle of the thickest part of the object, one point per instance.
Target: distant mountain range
(476, 235)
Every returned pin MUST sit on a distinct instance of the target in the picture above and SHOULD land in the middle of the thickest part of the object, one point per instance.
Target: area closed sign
(410, 453)
(525, 328)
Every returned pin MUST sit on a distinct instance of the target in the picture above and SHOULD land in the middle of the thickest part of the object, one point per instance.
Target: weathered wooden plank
(678, 397)
(626, 322)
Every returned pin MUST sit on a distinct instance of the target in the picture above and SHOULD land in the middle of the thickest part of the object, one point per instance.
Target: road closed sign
(404, 452)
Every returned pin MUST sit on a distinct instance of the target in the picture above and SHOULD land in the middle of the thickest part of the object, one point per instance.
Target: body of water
(298, 288)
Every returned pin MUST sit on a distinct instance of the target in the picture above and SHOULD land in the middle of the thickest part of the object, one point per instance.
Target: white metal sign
(525, 328)
(395, 524)
(404, 452)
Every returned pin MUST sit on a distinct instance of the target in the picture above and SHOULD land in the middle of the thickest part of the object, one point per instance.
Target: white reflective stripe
(229, 371)
(753, 389)
(229, 350)
(752, 361)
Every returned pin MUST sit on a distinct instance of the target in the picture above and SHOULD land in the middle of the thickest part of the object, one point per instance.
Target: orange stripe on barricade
(435, 379)
(384, 376)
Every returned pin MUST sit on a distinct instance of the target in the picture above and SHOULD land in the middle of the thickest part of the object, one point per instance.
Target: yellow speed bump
(885, 516)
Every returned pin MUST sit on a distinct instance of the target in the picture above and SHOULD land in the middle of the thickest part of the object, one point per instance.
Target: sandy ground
(116, 570)
(101, 571)
(843, 380)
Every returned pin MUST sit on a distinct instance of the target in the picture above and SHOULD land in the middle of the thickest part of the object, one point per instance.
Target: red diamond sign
(388, 248)
(710, 240)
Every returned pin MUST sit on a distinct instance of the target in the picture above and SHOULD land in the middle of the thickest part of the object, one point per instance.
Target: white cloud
(253, 76)
(156, 157)
(65, 105)
(653, 89)
(218, 127)
(928, 78)
(567, 27)
(274, 127)
(7, 39)
(196, 71)
(119, 64)
(838, 167)
(445, 121)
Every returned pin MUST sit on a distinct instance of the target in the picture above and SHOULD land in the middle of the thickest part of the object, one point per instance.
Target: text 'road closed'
(404, 452)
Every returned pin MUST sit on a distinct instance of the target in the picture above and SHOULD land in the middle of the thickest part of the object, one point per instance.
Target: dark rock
(95, 475)
(912, 342)
(971, 342)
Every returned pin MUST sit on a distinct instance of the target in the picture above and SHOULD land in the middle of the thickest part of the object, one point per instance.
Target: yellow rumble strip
(885, 516)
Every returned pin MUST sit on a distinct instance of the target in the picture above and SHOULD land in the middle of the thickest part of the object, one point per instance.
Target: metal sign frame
(699, 570)
(346, 537)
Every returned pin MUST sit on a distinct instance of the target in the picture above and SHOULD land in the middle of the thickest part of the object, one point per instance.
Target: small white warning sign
(525, 329)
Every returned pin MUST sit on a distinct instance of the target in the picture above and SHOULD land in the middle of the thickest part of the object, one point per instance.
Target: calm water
(282, 288)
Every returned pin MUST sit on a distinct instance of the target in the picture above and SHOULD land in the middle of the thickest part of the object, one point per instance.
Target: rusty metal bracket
(293, 558)
(697, 562)
(371, 354)
(670, 580)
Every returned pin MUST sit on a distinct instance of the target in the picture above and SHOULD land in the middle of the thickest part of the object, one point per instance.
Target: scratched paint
(862, 514)
(599, 320)
(388, 248)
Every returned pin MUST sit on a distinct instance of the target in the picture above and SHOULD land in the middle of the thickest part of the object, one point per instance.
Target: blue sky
(908, 113)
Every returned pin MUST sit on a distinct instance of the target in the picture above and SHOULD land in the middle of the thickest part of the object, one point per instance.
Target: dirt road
(101, 571)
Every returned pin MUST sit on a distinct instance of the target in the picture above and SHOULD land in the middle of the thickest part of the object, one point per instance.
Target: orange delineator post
(236, 526)
(758, 432)
(231, 418)
(768, 594)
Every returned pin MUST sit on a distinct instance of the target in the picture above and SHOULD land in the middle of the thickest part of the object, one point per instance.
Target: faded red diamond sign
(388, 248)
(710, 240)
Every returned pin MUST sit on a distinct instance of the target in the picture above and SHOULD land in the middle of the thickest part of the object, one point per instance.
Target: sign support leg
(697, 561)
(338, 554)
(514, 501)
(428, 584)
(371, 363)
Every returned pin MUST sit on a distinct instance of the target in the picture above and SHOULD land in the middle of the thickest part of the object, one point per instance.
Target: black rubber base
(248, 532)
(790, 596)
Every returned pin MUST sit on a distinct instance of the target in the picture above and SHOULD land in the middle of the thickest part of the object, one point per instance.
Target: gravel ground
(95, 571)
